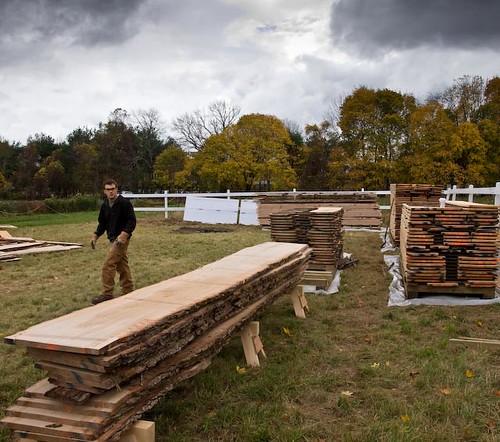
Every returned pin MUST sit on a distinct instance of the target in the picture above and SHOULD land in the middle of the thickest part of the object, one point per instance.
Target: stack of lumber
(414, 195)
(290, 226)
(109, 363)
(283, 227)
(453, 249)
(325, 235)
(360, 208)
(12, 247)
(321, 229)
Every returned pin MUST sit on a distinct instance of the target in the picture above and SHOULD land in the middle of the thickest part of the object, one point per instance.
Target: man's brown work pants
(117, 261)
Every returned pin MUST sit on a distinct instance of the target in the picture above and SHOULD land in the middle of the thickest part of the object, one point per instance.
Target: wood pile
(321, 229)
(109, 363)
(414, 195)
(452, 250)
(360, 208)
(11, 248)
(325, 235)
(290, 226)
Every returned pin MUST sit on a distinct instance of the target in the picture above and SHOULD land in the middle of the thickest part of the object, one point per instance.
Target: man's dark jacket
(116, 219)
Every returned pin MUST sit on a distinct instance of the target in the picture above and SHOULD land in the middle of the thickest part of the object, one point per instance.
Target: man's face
(111, 191)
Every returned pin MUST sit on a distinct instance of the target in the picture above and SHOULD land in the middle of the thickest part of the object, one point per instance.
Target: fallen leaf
(467, 432)
(414, 373)
(491, 425)
(368, 339)
(405, 418)
(497, 393)
(445, 390)
(241, 370)
(287, 331)
(347, 393)
(360, 303)
(479, 323)
(375, 365)
(469, 373)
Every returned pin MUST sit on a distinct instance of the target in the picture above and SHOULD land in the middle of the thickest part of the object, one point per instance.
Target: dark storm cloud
(85, 22)
(369, 26)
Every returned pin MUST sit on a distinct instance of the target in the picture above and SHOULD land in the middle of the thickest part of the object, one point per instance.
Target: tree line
(368, 139)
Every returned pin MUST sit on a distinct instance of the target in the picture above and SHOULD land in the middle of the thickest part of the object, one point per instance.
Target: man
(117, 219)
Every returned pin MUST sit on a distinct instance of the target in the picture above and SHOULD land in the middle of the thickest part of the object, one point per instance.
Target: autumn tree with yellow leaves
(251, 154)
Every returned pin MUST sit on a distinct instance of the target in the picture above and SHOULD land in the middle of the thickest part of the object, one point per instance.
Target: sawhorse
(250, 339)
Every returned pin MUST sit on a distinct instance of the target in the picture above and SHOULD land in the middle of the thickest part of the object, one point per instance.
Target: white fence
(166, 196)
(471, 191)
(450, 193)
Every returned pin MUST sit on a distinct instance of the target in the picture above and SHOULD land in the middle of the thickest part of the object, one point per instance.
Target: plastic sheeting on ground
(334, 285)
(397, 292)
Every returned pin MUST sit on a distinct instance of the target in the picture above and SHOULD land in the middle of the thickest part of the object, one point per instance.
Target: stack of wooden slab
(360, 208)
(321, 229)
(109, 363)
(414, 195)
(325, 235)
(283, 227)
(453, 249)
(290, 226)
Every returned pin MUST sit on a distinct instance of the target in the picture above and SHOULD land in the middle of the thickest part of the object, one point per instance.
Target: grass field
(353, 370)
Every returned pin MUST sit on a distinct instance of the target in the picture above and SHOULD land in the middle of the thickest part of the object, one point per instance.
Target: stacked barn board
(414, 195)
(360, 208)
(109, 363)
(452, 249)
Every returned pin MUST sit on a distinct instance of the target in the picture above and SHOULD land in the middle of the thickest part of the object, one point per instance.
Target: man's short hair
(110, 181)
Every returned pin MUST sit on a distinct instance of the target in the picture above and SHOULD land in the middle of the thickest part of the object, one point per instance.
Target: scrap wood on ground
(12, 247)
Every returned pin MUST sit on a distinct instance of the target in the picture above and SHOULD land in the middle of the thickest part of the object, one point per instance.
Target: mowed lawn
(353, 370)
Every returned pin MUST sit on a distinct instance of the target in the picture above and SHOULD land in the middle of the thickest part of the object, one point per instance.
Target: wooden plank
(477, 342)
(47, 249)
(24, 425)
(94, 329)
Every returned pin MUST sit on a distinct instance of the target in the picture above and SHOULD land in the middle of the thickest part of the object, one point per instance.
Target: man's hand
(121, 239)
(93, 241)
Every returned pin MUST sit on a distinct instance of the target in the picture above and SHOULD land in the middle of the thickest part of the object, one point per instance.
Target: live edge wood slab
(109, 363)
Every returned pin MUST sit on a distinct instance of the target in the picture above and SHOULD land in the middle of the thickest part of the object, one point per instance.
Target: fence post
(228, 194)
(471, 195)
(166, 203)
(497, 194)
(454, 194)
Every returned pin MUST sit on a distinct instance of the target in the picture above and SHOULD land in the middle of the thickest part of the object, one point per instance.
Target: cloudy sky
(69, 63)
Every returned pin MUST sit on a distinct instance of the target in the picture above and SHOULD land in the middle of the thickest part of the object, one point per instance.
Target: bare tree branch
(194, 128)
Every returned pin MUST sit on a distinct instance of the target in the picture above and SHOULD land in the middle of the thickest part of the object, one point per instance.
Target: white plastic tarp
(211, 210)
(248, 213)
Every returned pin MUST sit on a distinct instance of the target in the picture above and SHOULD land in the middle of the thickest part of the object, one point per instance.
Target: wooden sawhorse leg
(252, 345)
(141, 431)
(299, 301)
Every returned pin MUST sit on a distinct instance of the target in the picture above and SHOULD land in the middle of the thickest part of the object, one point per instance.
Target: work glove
(121, 239)
(93, 241)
